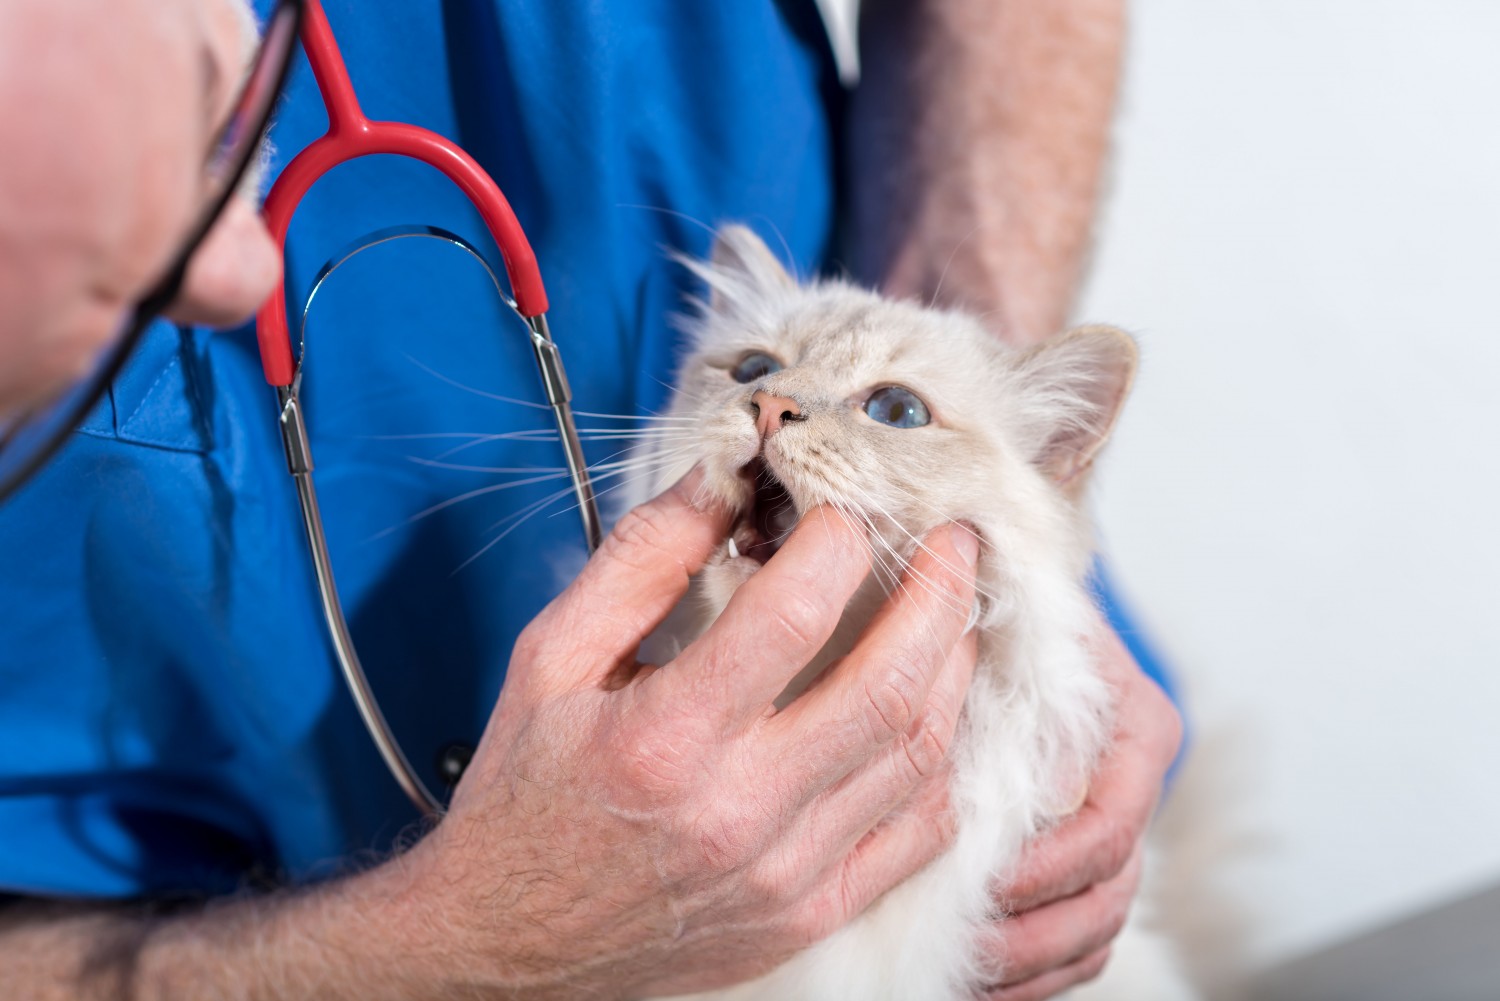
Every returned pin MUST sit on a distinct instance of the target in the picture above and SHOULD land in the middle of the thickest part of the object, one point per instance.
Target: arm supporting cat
(978, 137)
(979, 134)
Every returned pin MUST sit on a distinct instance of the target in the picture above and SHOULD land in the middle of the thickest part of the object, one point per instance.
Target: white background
(1304, 231)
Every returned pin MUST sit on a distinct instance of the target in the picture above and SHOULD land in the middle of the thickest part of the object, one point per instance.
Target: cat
(799, 395)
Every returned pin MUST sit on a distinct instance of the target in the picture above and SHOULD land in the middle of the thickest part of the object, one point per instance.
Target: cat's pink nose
(771, 412)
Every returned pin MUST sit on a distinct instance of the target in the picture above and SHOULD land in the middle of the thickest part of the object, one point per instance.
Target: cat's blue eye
(897, 406)
(756, 365)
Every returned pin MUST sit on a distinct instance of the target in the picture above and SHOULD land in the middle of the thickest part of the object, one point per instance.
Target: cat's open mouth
(764, 525)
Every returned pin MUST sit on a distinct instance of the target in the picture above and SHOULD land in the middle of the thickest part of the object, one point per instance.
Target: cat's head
(909, 417)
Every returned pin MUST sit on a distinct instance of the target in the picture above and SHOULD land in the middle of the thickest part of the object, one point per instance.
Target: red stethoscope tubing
(352, 135)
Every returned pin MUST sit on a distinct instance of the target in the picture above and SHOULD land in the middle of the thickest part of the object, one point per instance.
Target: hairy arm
(338, 941)
(978, 139)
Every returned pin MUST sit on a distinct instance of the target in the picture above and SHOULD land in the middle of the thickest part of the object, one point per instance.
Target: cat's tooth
(734, 551)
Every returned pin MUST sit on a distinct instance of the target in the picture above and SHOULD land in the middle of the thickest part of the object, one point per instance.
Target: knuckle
(891, 704)
(1171, 727)
(642, 531)
(726, 841)
(1118, 914)
(530, 647)
(926, 745)
(819, 918)
(1093, 965)
(957, 589)
(1118, 895)
(798, 618)
(1116, 844)
(765, 886)
(1152, 716)
(655, 762)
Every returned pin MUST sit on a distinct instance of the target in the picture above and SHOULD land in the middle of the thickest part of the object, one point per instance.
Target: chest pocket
(162, 395)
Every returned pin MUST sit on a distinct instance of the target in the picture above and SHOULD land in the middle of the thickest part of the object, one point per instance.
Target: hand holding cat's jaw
(677, 832)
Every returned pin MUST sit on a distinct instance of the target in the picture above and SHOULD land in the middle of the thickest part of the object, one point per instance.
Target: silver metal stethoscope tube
(299, 459)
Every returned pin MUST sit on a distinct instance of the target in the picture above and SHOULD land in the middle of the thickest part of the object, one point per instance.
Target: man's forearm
(978, 137)
(356, 938)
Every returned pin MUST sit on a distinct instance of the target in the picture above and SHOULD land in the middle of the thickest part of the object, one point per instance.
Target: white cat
(912, 418)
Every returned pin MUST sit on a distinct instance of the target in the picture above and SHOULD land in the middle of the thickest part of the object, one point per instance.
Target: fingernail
(966, 542)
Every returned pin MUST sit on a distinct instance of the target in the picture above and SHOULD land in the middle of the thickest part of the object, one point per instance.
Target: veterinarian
(171, 724)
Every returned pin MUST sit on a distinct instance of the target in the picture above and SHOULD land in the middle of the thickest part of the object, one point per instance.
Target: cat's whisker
(669, 212)
(460, 467)
(642, 465)
(628, 481)
(469, 495)
(632, 473)
(887, 571)
(508, 436)
(635, 456)
(544, 435)
(979, 589)
(646, 433)
(932, 507)
(551, 470)
(517, 519)
(894, 573)
(638, 466)
(932, 303)
(473, 438)
(450, 434)
(477, 392)
(649, 418)
(542, 477)
(886, 576)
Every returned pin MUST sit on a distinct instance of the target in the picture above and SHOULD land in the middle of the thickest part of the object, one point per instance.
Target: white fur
(1011, 432)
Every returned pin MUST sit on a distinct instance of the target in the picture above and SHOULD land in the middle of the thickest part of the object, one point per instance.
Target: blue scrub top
(171, 716)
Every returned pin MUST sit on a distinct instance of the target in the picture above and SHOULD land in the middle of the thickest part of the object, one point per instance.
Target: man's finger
(778, 619)
(1065, 931)
(881, 689)
(1095, 843)
(628, 587)
(1054, 982)
(882, 858)
(905, 769)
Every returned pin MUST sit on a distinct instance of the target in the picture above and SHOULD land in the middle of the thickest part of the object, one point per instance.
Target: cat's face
(902, 416)
(846, 400)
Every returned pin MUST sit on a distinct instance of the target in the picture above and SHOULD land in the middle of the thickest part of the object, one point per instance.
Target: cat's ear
(1077, 383)
(743, 267)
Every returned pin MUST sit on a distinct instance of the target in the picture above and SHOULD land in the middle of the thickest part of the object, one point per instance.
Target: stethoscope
(351, 135)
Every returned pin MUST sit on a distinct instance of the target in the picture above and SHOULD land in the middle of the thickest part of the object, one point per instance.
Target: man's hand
(1075, 884)
(668, 830)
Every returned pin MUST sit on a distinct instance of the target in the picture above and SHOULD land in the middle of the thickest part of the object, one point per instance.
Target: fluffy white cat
(909, 418)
